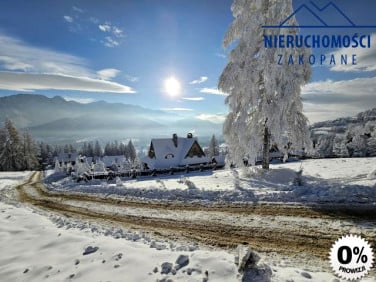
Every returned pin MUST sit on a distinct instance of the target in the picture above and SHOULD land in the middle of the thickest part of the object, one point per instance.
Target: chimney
(175, 139)
(189, 135)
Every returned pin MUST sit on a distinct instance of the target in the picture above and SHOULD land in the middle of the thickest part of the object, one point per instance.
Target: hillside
(55, 119)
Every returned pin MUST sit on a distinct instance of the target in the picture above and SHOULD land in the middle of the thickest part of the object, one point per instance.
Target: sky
(161, 54)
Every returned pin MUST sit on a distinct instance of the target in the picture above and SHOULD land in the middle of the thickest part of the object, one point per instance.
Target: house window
(195, 151)
(169, 156)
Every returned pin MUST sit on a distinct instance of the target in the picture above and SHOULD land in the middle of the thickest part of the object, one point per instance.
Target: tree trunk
(265, 152)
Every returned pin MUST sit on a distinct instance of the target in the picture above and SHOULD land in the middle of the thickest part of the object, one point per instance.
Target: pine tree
(90, 150)
(132, 151)
(11, 155)
(264, 98)
(97, 149)
(213, 147)
(29, 152)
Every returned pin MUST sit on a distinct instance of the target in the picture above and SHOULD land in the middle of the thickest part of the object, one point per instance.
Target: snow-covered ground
(51, 248)
(323, 181)
(11, 179)
(37, 246)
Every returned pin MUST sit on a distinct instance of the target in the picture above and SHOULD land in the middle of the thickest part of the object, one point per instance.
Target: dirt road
(293, 230)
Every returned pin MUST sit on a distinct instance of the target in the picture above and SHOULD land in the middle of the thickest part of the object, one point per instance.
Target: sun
(172, 86)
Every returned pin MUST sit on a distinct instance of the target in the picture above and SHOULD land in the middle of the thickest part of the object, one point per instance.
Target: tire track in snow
(292, 238)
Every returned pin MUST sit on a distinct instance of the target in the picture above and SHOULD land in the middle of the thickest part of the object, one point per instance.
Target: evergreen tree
(11, 155)
(213, 147)
(107, 149)
(264, 98)
(132, 151)
(90, 150)
(97, 149)
(29, 152)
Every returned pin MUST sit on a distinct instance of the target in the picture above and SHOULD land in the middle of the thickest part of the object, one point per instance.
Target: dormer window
(169, 156)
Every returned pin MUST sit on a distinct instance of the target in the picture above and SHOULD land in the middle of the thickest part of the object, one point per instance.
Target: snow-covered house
(174, 152)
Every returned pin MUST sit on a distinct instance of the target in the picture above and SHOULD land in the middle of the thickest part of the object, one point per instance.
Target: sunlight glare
(172, 86)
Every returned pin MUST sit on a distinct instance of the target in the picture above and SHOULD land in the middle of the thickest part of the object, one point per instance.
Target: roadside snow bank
(12, 178)
(321, 181)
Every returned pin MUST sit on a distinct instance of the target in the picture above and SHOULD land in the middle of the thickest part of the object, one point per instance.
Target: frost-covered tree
(132, 152)
(97, 149)
(11, 154)
(339, 147)
(263, 97)
(325, 146)
(213, 149)
(30, 152)
(81, 167)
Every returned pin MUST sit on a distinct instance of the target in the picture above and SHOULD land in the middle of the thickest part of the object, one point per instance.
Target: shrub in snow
(81, 167)
(298, 180)
(190, 184)
(118, 181)
(58, 168)
(372, 175)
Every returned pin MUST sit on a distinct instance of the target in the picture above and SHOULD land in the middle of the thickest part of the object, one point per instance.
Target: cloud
(200, 80)
(177, 109)
(20, 81)
(365, 58)
(329, 99)
(77, 9)
(214, 118)
(221, 55)
(110, 42)
(107, 74)
(26, 67)
(115, 33)
(104, 27)
(193, 98)
(17, 55)
(79, 100)
(214, 91)
(131, 78)
(68, 19)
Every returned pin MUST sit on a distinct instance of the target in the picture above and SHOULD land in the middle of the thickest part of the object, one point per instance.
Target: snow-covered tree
(81, 167)
(324, 145)
(339, 147)
(58, 168)
(263, 97)
(132, 152)
(11, 154)
(30, 152)
(213, 149)
(97, 149)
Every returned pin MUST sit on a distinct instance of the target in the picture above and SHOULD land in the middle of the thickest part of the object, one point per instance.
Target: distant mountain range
(340, 125)
(56, 120)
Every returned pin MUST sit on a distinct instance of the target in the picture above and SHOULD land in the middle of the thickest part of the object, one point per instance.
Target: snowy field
(50, 248)
(41, 246)
(11, 179)
(323, 181)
